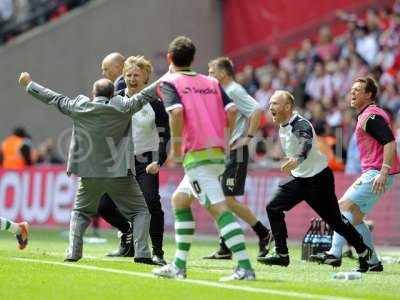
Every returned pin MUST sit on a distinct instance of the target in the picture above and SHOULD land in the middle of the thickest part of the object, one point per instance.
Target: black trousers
(149, 184)
(319, 193)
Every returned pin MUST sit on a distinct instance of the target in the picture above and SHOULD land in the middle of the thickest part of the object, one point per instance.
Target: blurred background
(313, 49)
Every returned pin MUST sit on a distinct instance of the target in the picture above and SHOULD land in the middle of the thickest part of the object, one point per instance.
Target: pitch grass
(33, 280)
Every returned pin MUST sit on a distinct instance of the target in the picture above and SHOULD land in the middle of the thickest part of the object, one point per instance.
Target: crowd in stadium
(320, 73)
(18, 16)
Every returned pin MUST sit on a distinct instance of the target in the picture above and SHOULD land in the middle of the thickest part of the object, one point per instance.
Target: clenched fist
(24, 79)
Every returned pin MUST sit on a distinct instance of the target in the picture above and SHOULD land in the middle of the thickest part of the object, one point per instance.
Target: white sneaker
(170, 271)
(240, 274)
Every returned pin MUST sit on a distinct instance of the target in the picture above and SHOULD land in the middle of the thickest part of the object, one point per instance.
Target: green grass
(37, 280)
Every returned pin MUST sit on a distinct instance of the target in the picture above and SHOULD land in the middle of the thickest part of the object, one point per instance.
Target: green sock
(8, 225)
(233, 235)
(184, 232)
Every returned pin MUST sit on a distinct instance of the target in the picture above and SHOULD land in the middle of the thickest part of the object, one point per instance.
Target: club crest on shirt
(230, 182)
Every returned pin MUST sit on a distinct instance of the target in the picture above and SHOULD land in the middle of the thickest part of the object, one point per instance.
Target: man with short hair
(379, 163)
(310, 179)
(199, 109)
(234, 177)
(112, 66)
(101, 154)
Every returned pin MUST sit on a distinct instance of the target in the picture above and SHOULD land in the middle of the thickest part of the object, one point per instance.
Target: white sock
(7, 225)
(337, 240)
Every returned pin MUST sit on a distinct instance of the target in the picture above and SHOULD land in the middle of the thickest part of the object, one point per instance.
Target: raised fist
(24, 79)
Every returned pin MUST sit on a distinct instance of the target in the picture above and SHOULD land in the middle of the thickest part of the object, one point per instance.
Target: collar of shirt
(118, 79)
(229, 85)
(189, 72)
(371, 104)
(101, 99)
(294, 115)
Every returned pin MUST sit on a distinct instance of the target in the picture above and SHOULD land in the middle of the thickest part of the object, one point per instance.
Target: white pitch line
(192, 281)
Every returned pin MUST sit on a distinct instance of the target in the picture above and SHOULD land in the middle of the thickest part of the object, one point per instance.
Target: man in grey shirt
(234, 177)
(101, 154)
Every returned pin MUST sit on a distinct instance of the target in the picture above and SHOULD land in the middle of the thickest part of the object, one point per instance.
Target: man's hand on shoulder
(24, 79)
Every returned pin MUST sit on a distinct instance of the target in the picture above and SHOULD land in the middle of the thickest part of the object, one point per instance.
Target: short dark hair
(21, 132)
(370, 85)
(223, 63)
(104, 88)
(182, 51)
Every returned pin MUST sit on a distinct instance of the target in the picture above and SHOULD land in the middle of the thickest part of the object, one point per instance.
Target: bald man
(309, 179)
(111, 67)
(101, 154)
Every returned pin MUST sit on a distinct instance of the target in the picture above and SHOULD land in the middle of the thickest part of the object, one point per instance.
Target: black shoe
(275, 259)
(125, 248)
(363, 265)
(220, 254)
(158, 260)
(144, 260)
(264, 245)
(378, 267)
(71, 259)
(327, 259)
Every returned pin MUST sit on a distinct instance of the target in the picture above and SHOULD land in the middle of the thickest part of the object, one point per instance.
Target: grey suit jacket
(101, 143)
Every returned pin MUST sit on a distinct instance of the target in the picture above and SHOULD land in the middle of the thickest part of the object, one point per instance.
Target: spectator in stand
(298, 81)
(348, 48)
(22, 11)
(282, 81)
(341, 80)
(319, 84)
(288, 63)
(373, 22)
(385, 58)
(390, 98)
(326, 145)
(265, 91)
(6, 11)
(334, 114)
(26, 14)
(306, 52)
(391, 37)
(251, 83)
(47, 154)
(17, 151)
(326, 48)
(358, 67)
(370, 46)
(367, 45)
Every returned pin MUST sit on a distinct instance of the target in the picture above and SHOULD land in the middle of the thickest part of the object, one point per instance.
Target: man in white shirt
(309, 179)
